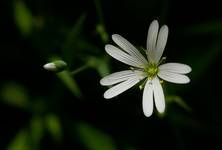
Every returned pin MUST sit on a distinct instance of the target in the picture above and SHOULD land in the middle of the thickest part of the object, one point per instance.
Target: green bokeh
(66, 109)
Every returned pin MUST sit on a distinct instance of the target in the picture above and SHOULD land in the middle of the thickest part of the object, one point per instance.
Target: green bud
(55, 66)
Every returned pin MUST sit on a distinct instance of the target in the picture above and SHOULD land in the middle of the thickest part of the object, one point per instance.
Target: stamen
(142, 85)
(151, 70)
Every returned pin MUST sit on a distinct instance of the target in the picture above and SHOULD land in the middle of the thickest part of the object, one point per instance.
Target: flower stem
(80, 69)
(99, 11)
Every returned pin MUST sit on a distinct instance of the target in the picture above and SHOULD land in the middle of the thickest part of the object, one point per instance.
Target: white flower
(142, 69)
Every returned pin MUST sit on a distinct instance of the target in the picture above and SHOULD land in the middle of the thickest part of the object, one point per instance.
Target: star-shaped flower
(150, 70)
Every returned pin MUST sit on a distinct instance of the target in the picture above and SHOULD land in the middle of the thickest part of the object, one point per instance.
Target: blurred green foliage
(23, 17)
(54, 126)
(79, 41)
(69, 82)
(93, 138)
(14, 94)
(20, 142)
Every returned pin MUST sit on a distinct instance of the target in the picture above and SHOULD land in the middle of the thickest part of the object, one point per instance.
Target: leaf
(53, 125)
(28, 139)
(15, 95)
(69, 82)
(20, 142)
(93, 138)
(23, 17)
(36, 129)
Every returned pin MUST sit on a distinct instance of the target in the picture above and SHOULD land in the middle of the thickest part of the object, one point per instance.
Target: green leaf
(14, 94)
(23, 17)
(69, 82)
(20, 142)
(93, 138)
(53, 125)
(28, 139)
(36, 130)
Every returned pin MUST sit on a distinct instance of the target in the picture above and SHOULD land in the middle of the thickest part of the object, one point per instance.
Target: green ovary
(151, 71)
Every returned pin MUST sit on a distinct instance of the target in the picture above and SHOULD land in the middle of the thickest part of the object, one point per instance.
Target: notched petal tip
(161, 110)
(176, 68)
(165, 31)
(106, 96)
(154, 22)
(147, 115)
(114, 36)
(121, 87)
(174, 77)
(102, 82)
(152, 35)
(189, 69)
(154, 26)
(187, 80)
(107, 46)
(165, 27)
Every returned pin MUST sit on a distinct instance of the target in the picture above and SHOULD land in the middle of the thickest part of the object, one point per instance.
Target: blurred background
(66, 110)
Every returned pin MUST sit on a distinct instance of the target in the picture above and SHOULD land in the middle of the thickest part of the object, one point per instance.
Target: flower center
(151, 70)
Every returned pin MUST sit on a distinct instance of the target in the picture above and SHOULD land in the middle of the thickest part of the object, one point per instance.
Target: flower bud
(55, 66)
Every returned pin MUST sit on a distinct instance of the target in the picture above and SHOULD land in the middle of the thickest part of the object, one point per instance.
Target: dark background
(38, 111)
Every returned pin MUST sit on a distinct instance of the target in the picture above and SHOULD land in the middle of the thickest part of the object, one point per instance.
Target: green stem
(80, 69)
(101, 29)
(99, 11)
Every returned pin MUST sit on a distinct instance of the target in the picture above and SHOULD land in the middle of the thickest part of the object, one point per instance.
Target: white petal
(122, 56)
(158, 95)
(120, 76)
(173, 77)
(120, 88)
(161, 42)
(152, 35)
(151, 55)
(148, 99)
(175, 68)
(129, 48)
